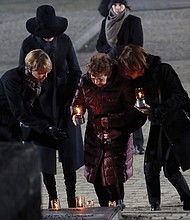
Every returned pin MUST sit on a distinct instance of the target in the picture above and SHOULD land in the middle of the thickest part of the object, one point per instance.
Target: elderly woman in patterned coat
(111, 119)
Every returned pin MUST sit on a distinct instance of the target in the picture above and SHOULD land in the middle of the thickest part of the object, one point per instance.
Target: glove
(156, 116)
(57, 134)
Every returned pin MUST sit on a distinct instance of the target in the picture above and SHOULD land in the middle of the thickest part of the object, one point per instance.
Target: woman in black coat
(47, 33)
(168, 142)
(118, 29)
(19, 88)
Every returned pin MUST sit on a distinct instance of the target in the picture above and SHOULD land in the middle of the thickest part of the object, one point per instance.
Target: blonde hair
(100, 64)
(38, 60)
(132, 58)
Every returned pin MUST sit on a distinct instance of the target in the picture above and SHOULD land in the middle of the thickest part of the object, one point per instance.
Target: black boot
(49, 181)
(70, 182)
(179, 182)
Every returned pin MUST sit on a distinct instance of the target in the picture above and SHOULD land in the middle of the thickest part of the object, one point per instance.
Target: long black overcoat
(166, 111)
(55, 99)
(131, 32)
(17, 95)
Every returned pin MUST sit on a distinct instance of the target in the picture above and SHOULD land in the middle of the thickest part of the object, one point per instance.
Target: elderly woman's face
(99, 81)
(118, 8)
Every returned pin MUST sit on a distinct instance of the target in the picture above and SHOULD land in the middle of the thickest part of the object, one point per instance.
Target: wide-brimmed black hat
(46, 24)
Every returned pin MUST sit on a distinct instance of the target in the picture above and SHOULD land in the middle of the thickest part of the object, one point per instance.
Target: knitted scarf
(113, 25)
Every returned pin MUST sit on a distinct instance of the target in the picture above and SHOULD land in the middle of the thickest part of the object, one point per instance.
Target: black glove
(156, 116)
(57, 133)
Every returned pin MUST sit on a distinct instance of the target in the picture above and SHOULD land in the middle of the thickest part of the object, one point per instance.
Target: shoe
(54, 204)
(140, 150)
(155, 207)
(186, 205)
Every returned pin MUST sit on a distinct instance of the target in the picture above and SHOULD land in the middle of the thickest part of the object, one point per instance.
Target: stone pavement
(166, 33)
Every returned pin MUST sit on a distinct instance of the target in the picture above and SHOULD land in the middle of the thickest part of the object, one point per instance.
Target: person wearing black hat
(47, 32)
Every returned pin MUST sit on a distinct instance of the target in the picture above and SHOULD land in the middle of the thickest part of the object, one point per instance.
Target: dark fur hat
(46, 24)
(124, 2)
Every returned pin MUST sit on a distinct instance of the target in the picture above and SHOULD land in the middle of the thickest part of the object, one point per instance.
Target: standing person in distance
(166, 105)
(118, 29)
(47, 32)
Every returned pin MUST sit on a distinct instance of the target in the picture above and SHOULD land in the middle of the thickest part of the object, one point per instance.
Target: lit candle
(55, 204)
(78, 111)
(90, 203)
(140, 101)
(112, 203)
(80, 201)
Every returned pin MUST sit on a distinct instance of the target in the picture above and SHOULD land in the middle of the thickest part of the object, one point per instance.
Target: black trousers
(172, 173)
(70, 183)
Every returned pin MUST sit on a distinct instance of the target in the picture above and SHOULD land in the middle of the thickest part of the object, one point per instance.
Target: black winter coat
(130, 33)
(18, 95)
(115, 101)
(58, 90)
(166, 110)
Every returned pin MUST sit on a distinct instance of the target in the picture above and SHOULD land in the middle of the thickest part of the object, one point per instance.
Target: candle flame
(78, 111)
(140, 94)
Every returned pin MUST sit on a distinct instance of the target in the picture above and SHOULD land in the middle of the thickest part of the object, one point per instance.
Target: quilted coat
(113, 100)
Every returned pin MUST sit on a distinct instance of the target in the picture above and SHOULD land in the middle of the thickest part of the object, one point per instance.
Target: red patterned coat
(114, 100)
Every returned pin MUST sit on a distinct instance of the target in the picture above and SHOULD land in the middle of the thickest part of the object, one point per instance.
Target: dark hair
(133, 57)
(100, 63)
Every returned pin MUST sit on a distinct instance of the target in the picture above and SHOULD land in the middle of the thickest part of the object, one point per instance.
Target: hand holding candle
(78, 113)
(140, 101)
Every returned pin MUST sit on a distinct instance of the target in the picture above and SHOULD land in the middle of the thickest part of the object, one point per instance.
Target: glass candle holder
(55, 204)
(90, 203)
(78, 111)
(80, 201)
(140, 101)
(112, 203)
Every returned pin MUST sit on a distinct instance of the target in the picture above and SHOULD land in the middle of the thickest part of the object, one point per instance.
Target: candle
(140, 101)
(90, 203)
(112, 203)
(55, 204)
(80, 201)
(78, 112)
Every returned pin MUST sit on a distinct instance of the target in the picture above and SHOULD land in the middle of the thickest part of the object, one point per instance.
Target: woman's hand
(104, 122)
(145, 109)
(112, 134)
